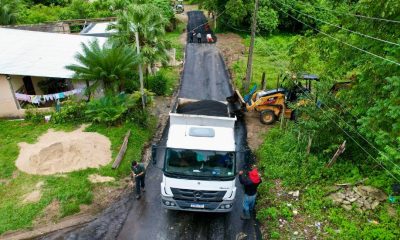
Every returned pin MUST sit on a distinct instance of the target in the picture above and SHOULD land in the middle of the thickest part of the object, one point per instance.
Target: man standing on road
(250, 180)
(139, 172)
(191, 35)
(199, 37)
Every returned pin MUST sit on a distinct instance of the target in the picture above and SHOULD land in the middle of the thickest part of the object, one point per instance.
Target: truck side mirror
(154, 153)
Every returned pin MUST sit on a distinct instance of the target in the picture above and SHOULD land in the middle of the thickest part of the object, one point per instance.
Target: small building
(33, 64)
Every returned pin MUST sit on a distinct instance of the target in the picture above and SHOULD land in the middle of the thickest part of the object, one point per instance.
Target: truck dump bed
(202, 107)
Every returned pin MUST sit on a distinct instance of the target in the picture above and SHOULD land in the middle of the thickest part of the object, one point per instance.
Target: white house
(29, 59)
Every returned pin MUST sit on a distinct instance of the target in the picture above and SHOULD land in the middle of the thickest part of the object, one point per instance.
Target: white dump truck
(200, 158)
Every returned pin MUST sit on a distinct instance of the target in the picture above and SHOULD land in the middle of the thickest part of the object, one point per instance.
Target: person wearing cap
(250, 180)
(139, 172)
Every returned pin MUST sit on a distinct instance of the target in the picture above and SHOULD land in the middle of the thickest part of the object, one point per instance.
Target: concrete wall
(8, 107)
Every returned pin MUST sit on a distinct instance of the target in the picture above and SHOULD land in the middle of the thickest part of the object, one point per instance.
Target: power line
(348, 44)
(337, 26)
(354, 117)
(360, 135)
(390, 173)
(355, 15)
(341, 105)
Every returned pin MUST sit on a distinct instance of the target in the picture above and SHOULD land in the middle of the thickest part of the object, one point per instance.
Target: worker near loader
(250, 180)
(138, 172)
(191, 35)
(198, 37)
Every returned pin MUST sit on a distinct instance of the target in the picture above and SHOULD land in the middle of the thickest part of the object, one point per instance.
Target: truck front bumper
(170, 203)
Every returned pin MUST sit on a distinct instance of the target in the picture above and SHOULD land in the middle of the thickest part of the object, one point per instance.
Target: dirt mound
(61, 152)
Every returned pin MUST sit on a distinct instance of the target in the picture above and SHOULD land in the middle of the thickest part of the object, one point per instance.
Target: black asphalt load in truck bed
(204, 107)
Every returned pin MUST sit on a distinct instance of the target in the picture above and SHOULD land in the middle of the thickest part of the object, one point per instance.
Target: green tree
(8, 13)
(108, 65)
(142, 26)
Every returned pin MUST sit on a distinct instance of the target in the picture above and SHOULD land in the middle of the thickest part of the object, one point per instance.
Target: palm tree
(143, 24)
(7, 12)
(108, 65)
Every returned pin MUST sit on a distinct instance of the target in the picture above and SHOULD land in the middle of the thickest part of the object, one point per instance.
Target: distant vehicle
(200, 158)
(179, 8)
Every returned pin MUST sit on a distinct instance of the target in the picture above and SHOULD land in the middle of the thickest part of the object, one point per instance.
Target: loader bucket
(237, 106)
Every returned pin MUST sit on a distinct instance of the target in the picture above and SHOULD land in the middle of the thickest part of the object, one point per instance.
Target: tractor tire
(267, 117)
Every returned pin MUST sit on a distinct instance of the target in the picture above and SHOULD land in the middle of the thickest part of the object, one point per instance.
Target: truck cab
(200, 158)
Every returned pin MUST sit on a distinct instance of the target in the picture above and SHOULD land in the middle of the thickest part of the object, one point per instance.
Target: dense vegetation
(341, 41)
(41, 11)
(367, 112)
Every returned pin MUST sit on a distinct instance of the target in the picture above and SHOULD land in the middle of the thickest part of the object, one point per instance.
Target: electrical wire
(341, 105)
(358, 144)
(355, 15)
(347, 44)
(361, 136)
(337, 26)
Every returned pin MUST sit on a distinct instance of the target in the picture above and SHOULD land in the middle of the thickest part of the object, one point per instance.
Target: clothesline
(37, 99)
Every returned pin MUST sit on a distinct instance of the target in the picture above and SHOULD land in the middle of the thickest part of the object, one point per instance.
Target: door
(30, 90)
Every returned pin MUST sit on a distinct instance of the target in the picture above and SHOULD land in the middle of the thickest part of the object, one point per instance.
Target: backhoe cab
(272, 103)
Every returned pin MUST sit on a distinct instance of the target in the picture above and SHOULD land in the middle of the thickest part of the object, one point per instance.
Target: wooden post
(283, 115)
(122, 151)
(263, 82)
(309, 144)
(251, 48)
(340, 150)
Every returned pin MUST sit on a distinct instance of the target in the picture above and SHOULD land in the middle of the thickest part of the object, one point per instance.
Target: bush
(112, 110)
(35, 116)
(157, 84)
(71, 111)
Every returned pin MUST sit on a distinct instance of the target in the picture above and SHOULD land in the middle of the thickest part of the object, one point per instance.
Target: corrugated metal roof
(40, 54)
(98, 29)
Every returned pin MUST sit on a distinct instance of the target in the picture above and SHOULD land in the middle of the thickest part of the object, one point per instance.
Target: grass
(271, 55)
(172, 73)
(282, 157)
(72, 189)
(174, 38)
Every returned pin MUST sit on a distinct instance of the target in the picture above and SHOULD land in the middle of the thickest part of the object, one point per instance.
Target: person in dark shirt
(191, 35)
(250, 180)
(139, 172)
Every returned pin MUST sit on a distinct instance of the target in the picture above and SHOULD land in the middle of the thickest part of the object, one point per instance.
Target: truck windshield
(199, 163)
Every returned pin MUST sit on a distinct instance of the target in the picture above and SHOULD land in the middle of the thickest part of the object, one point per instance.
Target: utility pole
(250, 58)
(140, 69)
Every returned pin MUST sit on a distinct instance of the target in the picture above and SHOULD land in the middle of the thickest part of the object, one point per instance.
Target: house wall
(8, 107)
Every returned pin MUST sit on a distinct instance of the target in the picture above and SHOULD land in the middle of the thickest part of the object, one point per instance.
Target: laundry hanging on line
(37, 99)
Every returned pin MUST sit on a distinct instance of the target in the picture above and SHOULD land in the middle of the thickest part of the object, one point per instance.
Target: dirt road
(204, 77)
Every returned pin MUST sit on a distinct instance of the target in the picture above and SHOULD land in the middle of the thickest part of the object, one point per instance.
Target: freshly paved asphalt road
(204, 77)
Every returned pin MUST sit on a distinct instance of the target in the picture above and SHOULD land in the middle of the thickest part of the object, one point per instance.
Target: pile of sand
(61, 152)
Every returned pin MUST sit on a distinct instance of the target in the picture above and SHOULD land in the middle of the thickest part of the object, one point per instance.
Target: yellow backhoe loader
(273, 103)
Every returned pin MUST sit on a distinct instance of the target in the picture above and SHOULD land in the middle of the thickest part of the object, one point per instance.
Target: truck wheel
(267, 117)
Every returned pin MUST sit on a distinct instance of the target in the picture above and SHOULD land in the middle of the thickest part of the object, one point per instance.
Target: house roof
(39, 54)
(98, 29)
